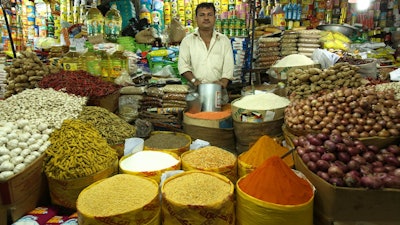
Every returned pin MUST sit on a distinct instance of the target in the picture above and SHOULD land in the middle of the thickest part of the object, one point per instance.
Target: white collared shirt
(207, 65)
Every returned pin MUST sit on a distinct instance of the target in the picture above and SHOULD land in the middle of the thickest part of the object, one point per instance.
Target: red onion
(335, 171)
(328, 156)
(359, 159)
(321, 149)
(352, 179)
(322, 165)
(341, 165)
(390, 169)
(348, 141)
(337, 181)
(323, 175)
(391, 181)
(315, 156)
(394, 149)
(391, 160)
(353, 165)
(312, 166)
(336, 138)
(396, 172)
(322, 136)
(369, 156)
(301, 150)
(341, 147)
(330, 146)
(306, 157)
(371, 181)
(353, 151)
(314, 141)
(311, 148)
(343, 156)
(366, 169)
(377, 164)
(373, 148)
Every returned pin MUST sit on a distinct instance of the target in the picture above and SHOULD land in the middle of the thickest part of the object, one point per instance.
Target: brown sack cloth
(145, 36)
(176, 31)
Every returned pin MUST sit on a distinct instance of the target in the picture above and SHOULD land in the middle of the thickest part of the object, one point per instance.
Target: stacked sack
(289, 43)
(267, 52)
(163, 105)
(309, 40)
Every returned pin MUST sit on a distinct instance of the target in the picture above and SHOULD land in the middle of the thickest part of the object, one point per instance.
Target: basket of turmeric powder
(264, 148)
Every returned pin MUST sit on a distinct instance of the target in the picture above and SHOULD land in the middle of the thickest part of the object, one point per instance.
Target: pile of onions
(345, 162)
(351, 112)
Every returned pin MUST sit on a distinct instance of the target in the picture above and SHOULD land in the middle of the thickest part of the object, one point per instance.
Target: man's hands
(223, 82)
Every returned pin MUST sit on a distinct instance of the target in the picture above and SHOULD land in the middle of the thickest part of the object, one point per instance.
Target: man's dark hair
(207, 5)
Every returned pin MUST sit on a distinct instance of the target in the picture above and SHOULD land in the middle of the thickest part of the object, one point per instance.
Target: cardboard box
(351, 206)
(22, 192)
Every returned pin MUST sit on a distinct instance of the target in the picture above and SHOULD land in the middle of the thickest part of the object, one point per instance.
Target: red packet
(39, 215)
(56, 220)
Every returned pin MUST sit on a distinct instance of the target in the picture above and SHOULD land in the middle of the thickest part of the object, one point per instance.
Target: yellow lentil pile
(114, 129)
(116, 195)
(197, 188)
(77, 150)
(209, 157)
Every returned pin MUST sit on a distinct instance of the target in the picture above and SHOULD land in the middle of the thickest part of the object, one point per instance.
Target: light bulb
(363, 4)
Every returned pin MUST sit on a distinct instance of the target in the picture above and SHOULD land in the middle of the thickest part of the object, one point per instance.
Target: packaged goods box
(351, 206)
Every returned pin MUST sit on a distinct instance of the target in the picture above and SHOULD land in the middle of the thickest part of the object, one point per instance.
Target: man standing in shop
(206, 56)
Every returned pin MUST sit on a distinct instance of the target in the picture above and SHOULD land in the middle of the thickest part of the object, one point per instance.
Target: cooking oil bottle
(94, 21)
(91, 61)
(118, 63)
(70, 61)
(105, 65)
(112, 24)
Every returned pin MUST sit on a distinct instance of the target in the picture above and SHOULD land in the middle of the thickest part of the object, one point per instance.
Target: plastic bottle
(118, 63)
(112, 24)
(82, 12)
(278, 17)
(91, 61)
(268, 8)
(105, 65)
(145, 13)
(94, 21)
(70, 61)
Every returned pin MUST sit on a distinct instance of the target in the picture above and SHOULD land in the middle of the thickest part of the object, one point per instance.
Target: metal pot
(210, 97)
(344, 29)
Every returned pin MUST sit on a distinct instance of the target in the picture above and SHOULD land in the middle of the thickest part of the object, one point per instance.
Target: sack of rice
(198, 197)
(211, 159)
(174, 142)
(259, 108)
(120, 199)
(278, 72)
(149, 164)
